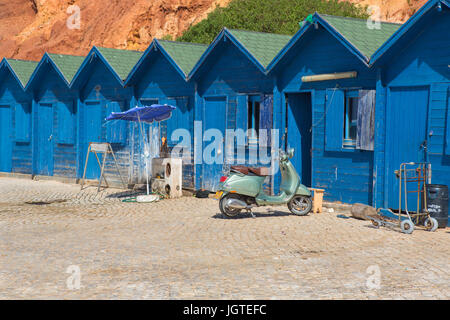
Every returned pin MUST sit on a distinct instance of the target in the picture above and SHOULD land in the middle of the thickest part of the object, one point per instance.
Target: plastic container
(437, 203)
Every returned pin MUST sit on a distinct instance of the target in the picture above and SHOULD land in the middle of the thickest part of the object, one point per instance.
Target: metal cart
(409, 174)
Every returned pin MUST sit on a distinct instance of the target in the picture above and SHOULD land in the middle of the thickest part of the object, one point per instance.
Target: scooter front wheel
(226, 211)
(300, 205)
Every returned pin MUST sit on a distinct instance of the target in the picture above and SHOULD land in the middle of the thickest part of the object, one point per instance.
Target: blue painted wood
(379, 144)
(157, 81)
(215, 119)
(19, 156)
(5, 138)
(45, 140)
(224, 38)
(420, 58)
(299, 121)
(116, 131)
(266, 117)
(346, 174)
(56, 128)
(241, 123)
(93, 114)
(405, 137)
(66, 122)
(334, 119)
(447, 134)
(242, 112)
(182, 118)
(198, 140)
(409, 31)
(231, 74)
(100, 91)
(22, 122)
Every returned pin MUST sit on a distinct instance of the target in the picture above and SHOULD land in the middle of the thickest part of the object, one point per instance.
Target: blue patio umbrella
(148, 114)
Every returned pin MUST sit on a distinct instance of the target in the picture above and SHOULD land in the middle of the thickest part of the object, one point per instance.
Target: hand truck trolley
(409, 173)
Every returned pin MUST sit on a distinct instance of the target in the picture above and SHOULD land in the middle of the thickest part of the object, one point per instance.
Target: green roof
(23, 69)
(122, 61)
(185, 54)
(67, 64)
(366, 40)
(263, 46)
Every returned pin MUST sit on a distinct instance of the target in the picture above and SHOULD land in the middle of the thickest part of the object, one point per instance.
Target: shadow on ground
(126, 194)
(245, 215)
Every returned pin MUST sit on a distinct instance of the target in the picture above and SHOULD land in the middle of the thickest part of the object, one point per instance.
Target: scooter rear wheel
(228, 212)
(300, 205)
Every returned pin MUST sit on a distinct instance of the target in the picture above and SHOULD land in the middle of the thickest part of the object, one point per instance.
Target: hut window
(351, 118)
(253, 120)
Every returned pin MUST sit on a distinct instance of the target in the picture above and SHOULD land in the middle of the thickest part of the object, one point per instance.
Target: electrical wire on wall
(326, 109)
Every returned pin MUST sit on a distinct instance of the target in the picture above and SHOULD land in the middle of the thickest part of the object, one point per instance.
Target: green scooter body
(251, 185)
(247, 185)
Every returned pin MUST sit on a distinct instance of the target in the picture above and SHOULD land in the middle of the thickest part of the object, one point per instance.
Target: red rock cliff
(28, 28)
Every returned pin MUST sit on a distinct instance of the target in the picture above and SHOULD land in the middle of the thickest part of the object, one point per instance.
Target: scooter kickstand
(250, 211)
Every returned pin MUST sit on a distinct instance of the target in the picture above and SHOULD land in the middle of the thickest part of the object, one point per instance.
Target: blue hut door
(5, 138)
(406, 137)
(45, 139)
(93, 117)
(299, 121)
(214, 121)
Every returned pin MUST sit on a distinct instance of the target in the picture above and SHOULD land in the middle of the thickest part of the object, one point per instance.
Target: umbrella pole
(146, 160)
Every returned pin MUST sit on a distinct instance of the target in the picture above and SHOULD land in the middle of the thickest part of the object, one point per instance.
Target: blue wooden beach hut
(54, 115)
(233, 91)
(100, 91)
(413, 98)
(160, 77)
(323, 98)
(15, 116)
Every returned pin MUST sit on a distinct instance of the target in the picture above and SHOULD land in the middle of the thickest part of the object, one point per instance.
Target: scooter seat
(260, 171)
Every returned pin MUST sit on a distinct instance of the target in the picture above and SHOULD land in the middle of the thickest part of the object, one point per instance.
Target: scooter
(242, 189)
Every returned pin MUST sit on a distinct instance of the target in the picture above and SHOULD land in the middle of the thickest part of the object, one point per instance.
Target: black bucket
(437, 203)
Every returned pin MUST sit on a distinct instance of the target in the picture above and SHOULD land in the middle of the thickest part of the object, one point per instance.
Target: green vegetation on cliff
(275, 16)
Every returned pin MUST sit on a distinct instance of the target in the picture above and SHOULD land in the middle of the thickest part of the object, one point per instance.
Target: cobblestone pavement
(184, 249)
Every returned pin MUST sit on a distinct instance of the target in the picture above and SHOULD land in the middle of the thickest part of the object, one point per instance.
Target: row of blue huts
(355, 100)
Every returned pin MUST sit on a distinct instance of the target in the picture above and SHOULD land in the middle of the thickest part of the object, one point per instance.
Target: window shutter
(266, 116)
(242, 115)
(366, 120)
(66, 117)
(116, 130)
(23, 122)
(334, 119)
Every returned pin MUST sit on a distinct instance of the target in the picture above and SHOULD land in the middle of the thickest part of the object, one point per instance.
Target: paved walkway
(183, 248)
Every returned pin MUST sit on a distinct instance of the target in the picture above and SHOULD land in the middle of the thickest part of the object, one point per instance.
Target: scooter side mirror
(290, 153)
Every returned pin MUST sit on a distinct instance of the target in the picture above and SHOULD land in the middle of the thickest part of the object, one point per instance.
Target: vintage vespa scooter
(242, 189)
